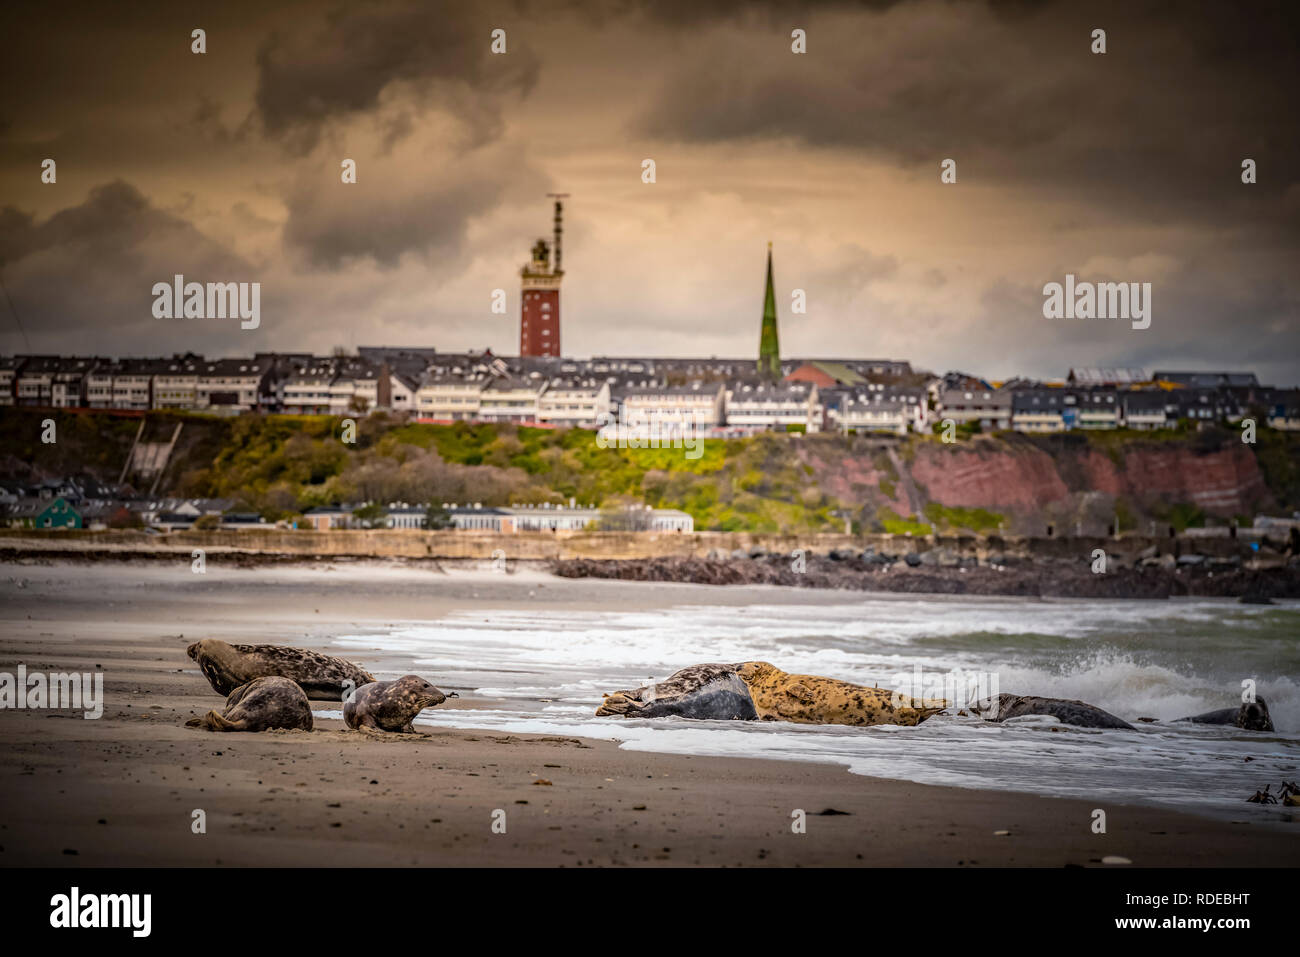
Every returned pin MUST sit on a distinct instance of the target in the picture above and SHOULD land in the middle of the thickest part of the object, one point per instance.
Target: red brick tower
(539, 320)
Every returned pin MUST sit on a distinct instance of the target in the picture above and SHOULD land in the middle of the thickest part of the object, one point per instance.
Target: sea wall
(552, 546)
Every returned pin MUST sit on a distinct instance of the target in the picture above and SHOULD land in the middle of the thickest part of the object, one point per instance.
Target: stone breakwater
(871, 572)
(1136, 567)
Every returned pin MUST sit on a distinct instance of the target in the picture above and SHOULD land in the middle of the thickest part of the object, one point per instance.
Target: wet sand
(121, 790)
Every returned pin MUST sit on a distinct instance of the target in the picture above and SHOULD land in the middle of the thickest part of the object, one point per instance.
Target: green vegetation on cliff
(769, 483)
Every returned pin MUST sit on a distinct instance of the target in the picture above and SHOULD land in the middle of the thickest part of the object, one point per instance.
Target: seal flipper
(212, 721)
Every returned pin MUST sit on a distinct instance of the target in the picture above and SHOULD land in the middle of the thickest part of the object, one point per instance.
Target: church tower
(769, 349)
(539, 319)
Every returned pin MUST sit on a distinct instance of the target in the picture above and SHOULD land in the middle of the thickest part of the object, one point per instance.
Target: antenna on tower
(559, 230)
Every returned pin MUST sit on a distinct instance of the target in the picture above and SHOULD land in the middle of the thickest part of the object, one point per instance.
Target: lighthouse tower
(539, 318)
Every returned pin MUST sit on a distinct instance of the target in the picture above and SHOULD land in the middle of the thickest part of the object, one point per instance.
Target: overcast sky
(225, 167)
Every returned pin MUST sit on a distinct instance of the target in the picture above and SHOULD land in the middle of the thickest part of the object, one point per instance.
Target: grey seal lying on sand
(322, 677)
(390, 705)
(260, 705)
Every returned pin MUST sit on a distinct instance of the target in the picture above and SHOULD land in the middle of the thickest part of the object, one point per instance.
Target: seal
(812, 699)
(322, 677)
(390, 705)
(719, 691)
(701, 691)
(1005, 706)
(1251, 716)
(260, 705)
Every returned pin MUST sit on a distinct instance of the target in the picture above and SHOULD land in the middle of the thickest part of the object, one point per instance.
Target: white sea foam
(1165, 660)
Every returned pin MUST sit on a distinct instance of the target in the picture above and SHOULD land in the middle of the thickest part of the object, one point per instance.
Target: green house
(58, 514)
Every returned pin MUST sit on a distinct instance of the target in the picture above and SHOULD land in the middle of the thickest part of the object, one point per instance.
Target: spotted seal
(700, 691)
(719, 691)
(390, 705)
(260, 705)
(322, 677)
(1251, 716)
(1005, 706)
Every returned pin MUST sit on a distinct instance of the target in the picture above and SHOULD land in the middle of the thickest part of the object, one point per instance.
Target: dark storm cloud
(1210, 310)
(381, 219)
(309, 76)
(82, 278)
(1162, 121)
(115, 223)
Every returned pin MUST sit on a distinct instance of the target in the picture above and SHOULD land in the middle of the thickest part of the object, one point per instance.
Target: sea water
(544, 671)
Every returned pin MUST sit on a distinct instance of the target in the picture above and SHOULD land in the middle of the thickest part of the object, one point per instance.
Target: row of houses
(506, 519)
(72, 511)
(717, 396)
(1037, 409)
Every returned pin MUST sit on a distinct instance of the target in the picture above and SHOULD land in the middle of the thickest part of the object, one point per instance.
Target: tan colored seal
(765, 692)
(812, 699)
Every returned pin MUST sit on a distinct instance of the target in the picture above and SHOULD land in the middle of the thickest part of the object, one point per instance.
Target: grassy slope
(281, 465)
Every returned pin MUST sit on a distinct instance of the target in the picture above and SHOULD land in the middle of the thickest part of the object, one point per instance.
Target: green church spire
(769, 349)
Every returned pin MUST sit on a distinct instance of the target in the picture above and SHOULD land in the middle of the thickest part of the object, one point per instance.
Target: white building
(876, 412)
(8, 377)
(573, 401)
(450, 396)
(1144, 410)
(674, 409)
(230, 385)
(176, 383)
(761, 405)
(34, 384)
(510, 399)
(308, 392)
(1041, 410)
(552, 518)
(1097, 409)
(132, 384)
(991, 408)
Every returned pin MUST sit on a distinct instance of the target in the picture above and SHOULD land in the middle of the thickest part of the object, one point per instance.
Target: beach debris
(1288, 794)
(831, 812)
(1115, 859)
(542, 781)
(1001, 833)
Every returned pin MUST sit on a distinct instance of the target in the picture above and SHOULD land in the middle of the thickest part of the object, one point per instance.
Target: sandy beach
(121, 790)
